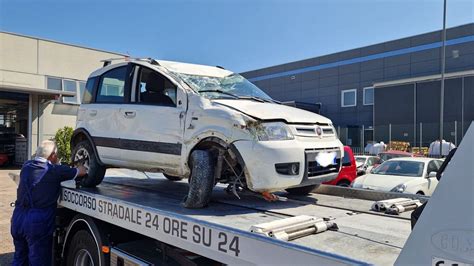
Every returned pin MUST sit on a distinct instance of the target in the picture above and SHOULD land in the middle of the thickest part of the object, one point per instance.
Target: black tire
(301, 191)
(344, 183)
(83, 250)
(420, 193)
(173, 178)
(201, 181)
(96, 171)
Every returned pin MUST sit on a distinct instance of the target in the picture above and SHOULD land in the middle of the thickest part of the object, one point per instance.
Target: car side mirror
(432, 174)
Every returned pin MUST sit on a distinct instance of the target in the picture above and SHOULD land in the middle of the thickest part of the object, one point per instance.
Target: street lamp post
(443, 66)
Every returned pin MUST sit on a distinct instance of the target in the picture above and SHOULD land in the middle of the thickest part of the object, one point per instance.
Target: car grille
(313, 168)
(310, 131)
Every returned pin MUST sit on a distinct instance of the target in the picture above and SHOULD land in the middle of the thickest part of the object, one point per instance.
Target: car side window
(370, 162)
(432, 167)
(346, 159)
(89, 90)
(155, 89)
(112, 86)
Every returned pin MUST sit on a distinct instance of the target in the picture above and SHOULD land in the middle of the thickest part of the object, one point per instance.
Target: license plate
(326, 158)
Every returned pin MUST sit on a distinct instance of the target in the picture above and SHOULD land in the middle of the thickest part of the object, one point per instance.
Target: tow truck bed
(152, 207)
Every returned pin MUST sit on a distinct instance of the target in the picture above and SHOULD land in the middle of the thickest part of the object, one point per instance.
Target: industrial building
(387, 91)
(34, 73)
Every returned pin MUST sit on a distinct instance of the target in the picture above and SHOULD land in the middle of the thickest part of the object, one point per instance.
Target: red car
(349, 170)
(3, 159)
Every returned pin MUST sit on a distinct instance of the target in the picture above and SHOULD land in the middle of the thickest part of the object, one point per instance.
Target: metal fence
(419, 135)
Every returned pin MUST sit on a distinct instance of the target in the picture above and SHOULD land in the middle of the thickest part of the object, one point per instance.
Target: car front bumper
(260, 158)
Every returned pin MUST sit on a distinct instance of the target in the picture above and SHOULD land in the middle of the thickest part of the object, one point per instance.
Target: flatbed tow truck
(221, 231)
(132, 219)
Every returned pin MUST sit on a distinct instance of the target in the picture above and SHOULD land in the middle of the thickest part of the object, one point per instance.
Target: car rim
(82, 154)
(83, 258)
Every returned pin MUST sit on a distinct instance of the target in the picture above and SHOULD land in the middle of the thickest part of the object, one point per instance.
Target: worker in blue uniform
(32, 224)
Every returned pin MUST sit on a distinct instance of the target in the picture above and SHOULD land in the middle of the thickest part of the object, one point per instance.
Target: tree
(63, 141)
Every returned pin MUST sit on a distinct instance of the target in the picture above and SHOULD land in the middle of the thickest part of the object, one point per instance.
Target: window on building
(369, 96)
(54, 84)
(70, 86)
(112, 86)
(349, 98)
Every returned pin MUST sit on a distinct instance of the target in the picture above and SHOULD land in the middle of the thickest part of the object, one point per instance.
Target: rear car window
(88, 91)
(112, 86)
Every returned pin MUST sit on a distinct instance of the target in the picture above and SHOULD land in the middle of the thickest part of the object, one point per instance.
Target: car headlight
(400, 188)
(273, 131)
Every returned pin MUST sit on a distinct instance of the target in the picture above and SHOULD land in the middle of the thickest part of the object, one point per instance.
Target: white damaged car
(203, 123)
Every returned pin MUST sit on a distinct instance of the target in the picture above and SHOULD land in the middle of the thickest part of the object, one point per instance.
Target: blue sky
(239, 35)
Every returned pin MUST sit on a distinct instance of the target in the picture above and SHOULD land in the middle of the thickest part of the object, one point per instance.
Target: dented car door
(153, 122)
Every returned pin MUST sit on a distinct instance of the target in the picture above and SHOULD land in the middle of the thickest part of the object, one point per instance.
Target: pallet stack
(420, 151)
(399, 145)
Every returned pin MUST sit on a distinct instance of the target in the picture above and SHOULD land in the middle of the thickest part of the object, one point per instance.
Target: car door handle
(130, 114)
(93, 112)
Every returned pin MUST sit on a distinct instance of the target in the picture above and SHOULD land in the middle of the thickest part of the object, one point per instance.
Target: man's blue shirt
(43, 180)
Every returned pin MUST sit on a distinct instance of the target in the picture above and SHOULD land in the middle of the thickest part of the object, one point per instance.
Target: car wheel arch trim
(83, 131)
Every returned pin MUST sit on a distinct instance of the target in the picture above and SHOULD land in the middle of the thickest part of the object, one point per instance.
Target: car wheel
(83, 152)
(201, 181)
(420, 193)
(173, 178)
(83, 250)
(301, 191)
(344, 183)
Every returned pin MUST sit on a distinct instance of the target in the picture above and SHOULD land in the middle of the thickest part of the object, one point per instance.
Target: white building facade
(34, 74)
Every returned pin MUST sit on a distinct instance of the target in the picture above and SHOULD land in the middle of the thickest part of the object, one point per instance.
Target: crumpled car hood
(271, 111)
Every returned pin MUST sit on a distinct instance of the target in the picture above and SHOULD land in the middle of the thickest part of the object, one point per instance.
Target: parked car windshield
(360, 160)
(232, 86)
(400, 168)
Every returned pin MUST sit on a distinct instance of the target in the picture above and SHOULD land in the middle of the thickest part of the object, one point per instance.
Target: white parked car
(414, 175)
(365, 163)
(200, 122)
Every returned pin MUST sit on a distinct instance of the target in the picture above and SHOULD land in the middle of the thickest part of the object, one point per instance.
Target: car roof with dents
(178, 67)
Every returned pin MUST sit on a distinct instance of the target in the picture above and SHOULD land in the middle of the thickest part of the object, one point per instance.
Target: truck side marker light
(105, 249)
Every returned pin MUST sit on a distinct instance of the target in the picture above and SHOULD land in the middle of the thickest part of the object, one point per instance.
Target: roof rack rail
(109, 60)
(126, 58)
(220, 67)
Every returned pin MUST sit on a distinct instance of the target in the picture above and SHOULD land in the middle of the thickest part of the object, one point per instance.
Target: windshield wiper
(255, 98)
(252, 98)
(259, 99)
(221, 92)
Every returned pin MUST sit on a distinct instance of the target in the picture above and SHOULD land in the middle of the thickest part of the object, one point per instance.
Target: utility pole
(443, 66)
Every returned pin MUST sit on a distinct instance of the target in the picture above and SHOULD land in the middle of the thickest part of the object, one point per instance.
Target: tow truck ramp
(222, 232)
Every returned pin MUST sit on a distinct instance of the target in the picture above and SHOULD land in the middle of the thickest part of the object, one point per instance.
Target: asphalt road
(7, 196)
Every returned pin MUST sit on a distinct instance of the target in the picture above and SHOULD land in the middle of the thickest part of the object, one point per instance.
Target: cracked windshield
(231, 86)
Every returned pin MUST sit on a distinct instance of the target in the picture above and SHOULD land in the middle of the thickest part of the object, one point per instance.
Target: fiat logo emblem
(318, 131)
